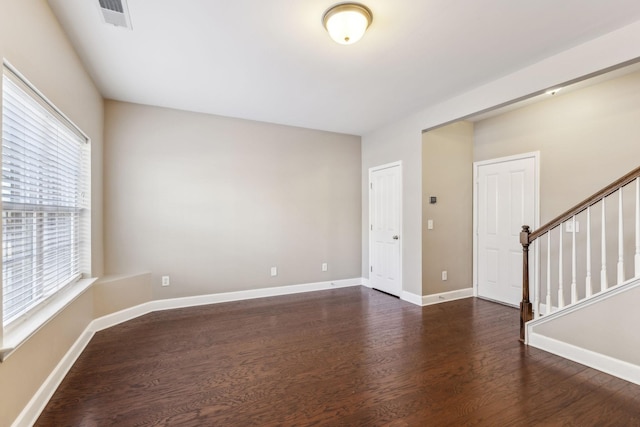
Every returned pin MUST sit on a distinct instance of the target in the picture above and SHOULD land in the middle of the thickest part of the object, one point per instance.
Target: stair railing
(555, 258)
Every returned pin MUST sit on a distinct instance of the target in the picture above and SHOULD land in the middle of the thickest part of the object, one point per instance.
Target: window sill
(15, 335)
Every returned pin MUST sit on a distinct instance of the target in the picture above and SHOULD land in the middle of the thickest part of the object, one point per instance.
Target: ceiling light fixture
(347, 22)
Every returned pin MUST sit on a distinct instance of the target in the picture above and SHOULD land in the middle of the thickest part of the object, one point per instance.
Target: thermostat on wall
(433, 200)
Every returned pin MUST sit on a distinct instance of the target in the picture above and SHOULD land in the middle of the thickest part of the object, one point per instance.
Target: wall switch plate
(274, 271)
(429, 224)
(444, 274)
(325, 267)
(569, 226)
(166, 281)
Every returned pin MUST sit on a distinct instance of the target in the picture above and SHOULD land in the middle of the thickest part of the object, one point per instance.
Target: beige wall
(115, 293)
(447, 173)
(586, 139)
(214, 202)
(609, 327)
(33, 42)
(401, 139)
(387, 146)
(24, 371)
(307, 187)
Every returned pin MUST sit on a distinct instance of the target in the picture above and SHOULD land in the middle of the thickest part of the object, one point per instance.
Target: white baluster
(620, 239)
(604, 284)
(574, 286)
(549, 272)
(637, 257)
(588, 288)
(560, 272)
(536, 279)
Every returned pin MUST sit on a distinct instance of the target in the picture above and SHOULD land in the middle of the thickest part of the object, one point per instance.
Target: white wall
(215, 202)
(402, 139)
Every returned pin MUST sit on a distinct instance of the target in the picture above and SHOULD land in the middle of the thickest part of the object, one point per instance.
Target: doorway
(385, 224)
(505, 199)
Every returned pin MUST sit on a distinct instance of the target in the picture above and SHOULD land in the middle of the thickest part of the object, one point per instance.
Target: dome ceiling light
(346, 23)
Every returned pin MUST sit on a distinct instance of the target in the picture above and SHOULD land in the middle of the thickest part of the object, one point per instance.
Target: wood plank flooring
(345, 357)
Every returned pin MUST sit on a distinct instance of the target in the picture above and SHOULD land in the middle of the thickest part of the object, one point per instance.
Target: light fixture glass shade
(346, 23)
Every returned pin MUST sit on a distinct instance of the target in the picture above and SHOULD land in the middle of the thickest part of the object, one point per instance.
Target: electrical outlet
(274, 271)
(429, 224)
(325, 266)
(166, 281)
(444, 274)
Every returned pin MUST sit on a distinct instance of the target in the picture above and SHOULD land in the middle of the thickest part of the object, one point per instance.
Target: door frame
(369, 228)
(533, 270)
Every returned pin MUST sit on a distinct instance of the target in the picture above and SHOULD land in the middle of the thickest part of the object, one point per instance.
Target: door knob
(396, 237)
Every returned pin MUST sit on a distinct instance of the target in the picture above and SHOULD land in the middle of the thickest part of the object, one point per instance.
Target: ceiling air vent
(115, 12)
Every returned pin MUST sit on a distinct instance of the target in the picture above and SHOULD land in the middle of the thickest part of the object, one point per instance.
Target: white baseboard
(168, 304)
(410, 297)
(121, 316)
(601, 362)
(253, 293)
(32, 410)
(447, 296)
(436, 298)
(365, 282)
(36, 405)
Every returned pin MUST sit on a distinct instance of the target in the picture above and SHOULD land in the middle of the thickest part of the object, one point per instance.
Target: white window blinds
(43, 195)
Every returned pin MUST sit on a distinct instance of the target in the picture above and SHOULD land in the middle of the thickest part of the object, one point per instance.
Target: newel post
(526, 310)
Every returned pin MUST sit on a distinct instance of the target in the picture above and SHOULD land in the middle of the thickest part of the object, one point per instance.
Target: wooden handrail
(589, 201)
(527, 237)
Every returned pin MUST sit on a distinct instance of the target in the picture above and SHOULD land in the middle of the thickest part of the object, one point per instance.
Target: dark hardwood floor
(345, 357)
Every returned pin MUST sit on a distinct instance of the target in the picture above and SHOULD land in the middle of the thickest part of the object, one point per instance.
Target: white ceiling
(271, 60)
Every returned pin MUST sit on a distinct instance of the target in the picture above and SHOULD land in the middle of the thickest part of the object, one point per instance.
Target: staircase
(585, 281)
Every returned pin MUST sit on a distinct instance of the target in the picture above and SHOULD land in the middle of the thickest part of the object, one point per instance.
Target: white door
(505, 201)
(385, 189)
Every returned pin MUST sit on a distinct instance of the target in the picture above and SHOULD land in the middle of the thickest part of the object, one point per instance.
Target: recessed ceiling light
(347, 22)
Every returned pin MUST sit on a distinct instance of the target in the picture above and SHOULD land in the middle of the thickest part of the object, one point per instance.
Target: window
(45, 177)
